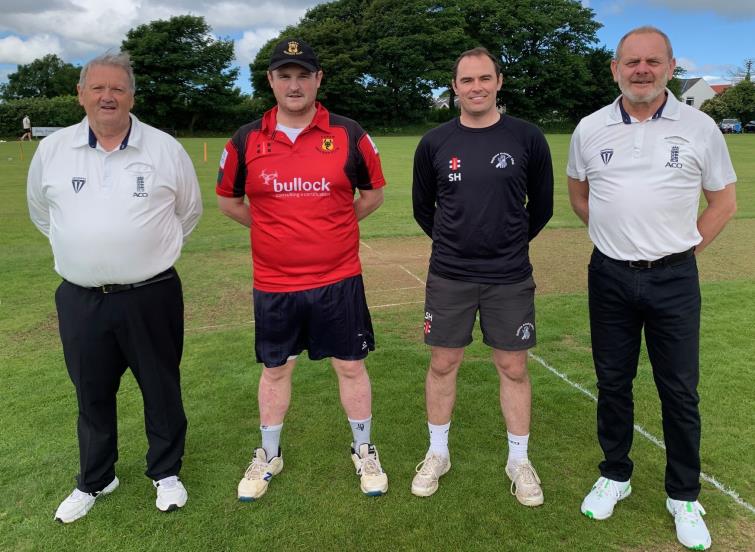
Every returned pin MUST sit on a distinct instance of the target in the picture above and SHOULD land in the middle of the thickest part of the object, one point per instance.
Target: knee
(444, 365)
(349, 369)
(277, 375)
(513, 369)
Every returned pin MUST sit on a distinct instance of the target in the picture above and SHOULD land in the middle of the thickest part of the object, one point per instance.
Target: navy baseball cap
(294, 50)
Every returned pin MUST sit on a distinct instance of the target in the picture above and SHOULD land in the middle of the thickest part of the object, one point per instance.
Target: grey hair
(646, 29)
(120, 59)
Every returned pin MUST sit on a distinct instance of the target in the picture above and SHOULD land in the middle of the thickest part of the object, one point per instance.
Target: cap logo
(293, 49)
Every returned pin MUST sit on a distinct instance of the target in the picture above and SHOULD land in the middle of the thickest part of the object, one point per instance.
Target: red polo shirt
(304, 231)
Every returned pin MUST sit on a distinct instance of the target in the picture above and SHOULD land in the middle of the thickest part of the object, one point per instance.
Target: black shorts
(507, 313)
(329, 321)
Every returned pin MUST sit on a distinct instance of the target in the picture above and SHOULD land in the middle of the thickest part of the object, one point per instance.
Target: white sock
(271, 439)
(517, 448)
(439, 438)
(360, 431)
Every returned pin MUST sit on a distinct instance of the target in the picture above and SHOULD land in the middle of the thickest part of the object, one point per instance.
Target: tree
(183, 74)
(737, 102)
(46, 77)
(675, 84)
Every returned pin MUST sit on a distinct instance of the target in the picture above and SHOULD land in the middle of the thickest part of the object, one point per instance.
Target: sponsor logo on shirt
(78, 183)
(373, 144)
(455, 165)
(673, 161)
(606, 154)
(297, 186)
(502, 160)
(223, 158)
(140, 188)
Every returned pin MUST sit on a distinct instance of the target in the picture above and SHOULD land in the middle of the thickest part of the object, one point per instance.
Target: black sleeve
(539, 185)
(424, 188)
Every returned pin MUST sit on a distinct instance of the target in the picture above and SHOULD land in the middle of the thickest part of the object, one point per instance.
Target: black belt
(674, 258)
(117, 288)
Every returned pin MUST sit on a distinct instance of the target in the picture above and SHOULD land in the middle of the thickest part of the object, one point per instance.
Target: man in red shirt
(299, 166)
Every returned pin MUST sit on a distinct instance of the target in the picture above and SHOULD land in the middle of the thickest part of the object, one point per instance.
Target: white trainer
(525, 483)
(259, 473)
(429, 471)
(372, 479)
(599, 502)
(78, 503)
(171, 494)
(690, 526)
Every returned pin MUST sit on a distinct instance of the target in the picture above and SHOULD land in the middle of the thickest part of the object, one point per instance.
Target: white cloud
(686, 63)
(17, 51)
(232, 15)
(250, 43)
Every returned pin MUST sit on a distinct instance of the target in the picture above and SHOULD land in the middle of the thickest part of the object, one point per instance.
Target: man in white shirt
(117, 198)
(26, 124)
(636, 169)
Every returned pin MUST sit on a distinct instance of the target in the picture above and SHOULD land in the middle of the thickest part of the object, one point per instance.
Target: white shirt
(116, 217)
(645, 178)
(26, 122)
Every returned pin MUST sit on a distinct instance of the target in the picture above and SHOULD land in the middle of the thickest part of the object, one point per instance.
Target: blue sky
(711, 38)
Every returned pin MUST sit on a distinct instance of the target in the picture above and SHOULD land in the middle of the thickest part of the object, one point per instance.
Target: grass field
(315, 503)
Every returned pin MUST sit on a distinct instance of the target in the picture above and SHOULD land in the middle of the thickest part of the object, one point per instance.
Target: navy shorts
(507, 313)
(329, 321)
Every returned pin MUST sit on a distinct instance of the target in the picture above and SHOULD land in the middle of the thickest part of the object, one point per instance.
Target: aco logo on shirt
(140, 188)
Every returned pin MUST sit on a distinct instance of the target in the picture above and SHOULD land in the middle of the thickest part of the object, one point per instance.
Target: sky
(711, 38)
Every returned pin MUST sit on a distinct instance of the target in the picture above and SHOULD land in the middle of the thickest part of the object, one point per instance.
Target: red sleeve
(373, 179)
(229, 183)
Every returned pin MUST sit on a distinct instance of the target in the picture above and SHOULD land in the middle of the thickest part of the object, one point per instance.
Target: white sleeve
(188, 196)
(575, 167)
(39, 210)
(718, 171)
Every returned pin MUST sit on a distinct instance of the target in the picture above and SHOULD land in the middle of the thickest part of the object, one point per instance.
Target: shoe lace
(524, 475)
(256, 470)
(607, 487)
(369, 465)
(689, 513)
(430, 466)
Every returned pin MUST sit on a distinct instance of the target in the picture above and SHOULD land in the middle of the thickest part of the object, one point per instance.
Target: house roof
(718, 88)
(688, 83)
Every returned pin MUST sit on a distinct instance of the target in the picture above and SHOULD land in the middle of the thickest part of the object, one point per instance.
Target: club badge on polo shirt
(78, 183)
(673, 161)
(606, 155)
(140, 188)
(328, 145)
(502, 160)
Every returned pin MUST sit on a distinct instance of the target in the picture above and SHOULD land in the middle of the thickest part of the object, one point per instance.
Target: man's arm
(236, 209)
(539, 187)
(722, 204)
(424, 189)
(188, 196)
(367, 202)
(39, 210)
(579, 193)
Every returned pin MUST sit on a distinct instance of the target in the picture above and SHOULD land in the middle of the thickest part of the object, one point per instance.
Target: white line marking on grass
(645, 433)
(409, 272)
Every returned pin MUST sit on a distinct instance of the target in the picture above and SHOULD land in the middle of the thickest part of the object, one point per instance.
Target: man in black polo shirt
(483, 188)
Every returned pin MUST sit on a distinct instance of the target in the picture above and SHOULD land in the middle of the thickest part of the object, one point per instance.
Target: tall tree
(736, 102)
(46, 77)
(183, 73)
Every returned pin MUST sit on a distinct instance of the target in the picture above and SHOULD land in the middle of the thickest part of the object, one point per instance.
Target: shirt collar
(320, 120)
(84, 136)
(668, 110)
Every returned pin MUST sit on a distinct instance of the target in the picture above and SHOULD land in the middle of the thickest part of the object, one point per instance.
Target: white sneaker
(690, 527)
(525, 483)
(171, 494)
(257, 476)
(599, 502)
(372, 479)
(429, 471)
(78, 503)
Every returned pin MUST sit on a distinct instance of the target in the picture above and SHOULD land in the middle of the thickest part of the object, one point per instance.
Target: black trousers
(102, 335)
(665, 302)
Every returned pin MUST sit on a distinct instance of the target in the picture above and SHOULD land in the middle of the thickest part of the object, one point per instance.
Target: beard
(646, 97)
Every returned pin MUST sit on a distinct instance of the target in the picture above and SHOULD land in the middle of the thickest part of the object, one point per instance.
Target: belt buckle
(641, 264)
(107, 288)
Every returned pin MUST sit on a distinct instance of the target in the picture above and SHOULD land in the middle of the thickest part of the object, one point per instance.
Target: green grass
(315, 504)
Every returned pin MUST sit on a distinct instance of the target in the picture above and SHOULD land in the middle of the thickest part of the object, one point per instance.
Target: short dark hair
(480, 51)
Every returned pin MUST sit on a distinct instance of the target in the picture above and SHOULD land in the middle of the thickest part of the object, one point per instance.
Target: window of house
(690, 100)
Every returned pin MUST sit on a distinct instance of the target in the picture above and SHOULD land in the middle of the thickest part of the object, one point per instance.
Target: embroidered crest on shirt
(606, 155)
(140, 187)
(455, 165)
(673, 161)
(78, 183)
(328, 144)
(502, 160)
